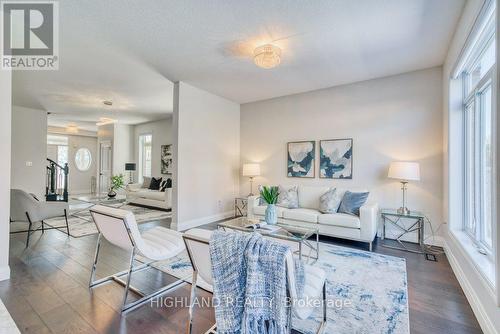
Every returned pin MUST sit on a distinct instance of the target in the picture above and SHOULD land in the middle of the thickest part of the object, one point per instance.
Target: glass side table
(394, 218)
(240, 206)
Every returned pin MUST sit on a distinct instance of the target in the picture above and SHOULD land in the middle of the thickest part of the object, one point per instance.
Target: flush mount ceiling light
(267, 56)
(71, 128)
(105, 121)
(107, 103)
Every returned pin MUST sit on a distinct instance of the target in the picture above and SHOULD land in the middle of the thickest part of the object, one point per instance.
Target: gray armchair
(25, 207)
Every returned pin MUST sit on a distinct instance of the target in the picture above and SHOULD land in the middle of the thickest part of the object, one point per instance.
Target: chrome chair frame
(213, 329)
(126, 283)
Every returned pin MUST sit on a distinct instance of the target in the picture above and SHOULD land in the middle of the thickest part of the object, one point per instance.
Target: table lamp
(251, 170)
(404, 171)
(130, 167)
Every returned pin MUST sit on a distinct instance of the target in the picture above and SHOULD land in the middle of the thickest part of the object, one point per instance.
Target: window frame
(474, 196)
(141, 158)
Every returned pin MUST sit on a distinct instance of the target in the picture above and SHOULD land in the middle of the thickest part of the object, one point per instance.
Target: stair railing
(57, 181)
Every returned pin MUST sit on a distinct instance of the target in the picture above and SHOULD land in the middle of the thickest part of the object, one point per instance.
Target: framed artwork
(166, 159)
(301, 159)
(335, 159)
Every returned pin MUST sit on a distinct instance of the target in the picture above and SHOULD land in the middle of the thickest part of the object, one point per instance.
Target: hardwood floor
(48, 291)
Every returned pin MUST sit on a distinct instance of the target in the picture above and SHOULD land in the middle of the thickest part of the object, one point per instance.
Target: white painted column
(5, 142)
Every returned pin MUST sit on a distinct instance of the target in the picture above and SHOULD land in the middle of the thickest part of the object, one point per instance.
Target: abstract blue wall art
(335, 159)
(301, 159)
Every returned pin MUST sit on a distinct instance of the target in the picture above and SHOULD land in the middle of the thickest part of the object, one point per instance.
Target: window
(145, 145)
(83, 159)
(477, 76)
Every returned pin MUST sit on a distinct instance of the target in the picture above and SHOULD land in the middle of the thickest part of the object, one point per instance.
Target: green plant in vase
(270, 196)
(117, 182)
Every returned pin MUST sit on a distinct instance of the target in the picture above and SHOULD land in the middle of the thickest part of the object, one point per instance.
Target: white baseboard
(474, 300)
(203, 220)
(4, 273)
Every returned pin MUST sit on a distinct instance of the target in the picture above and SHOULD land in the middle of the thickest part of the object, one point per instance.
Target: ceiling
(131, 51)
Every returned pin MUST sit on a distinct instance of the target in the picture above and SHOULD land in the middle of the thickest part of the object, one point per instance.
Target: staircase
(56, 188)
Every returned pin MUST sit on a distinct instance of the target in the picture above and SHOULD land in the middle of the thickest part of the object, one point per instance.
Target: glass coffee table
(287, 233)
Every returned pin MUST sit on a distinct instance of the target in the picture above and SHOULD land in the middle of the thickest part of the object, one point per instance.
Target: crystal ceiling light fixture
(267, 56)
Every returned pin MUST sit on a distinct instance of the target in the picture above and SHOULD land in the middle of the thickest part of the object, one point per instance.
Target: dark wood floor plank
(48, 291)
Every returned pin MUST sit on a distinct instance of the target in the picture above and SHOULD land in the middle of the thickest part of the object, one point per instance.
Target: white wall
(393, 118)
(5, 153)
(162, 135)
(206, 155)
(480, 294)
(29, 145)
(123, 148)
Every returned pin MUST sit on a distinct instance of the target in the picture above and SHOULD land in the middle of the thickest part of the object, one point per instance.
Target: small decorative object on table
(270, 196)
(117, 182)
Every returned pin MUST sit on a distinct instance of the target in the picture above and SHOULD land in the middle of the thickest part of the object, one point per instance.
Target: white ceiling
(130, 51)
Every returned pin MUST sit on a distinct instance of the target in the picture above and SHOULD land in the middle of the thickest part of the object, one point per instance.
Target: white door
(104, 166)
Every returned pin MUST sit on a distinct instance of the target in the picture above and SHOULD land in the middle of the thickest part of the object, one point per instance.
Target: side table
(394, 218)
(240, 206)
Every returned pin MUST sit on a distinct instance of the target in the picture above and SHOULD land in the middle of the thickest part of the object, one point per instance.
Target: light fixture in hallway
(104, 121)
(72, 128)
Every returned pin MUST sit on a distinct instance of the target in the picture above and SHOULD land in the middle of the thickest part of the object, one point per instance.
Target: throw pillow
(147, 182)
(329, 202)
(155, 183)
(165, 184)
(288, 197)
(352, 202)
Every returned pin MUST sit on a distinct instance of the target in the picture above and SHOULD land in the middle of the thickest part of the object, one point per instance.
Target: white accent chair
(197, 245)
(26, 207)
(119, 227)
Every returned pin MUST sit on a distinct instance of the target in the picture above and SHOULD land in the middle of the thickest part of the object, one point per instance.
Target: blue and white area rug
(367, 292)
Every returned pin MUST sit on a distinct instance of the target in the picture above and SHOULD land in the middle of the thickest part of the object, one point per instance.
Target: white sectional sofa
(147, 197)
(340, 225)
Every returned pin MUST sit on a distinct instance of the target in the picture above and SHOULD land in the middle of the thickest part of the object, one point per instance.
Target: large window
(477, 75)
(145, 145)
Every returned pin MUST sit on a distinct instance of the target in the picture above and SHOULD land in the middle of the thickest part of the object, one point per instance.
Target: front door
(104, 166)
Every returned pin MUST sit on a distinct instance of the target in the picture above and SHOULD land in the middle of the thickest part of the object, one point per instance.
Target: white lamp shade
(251, 170)
(402, 170)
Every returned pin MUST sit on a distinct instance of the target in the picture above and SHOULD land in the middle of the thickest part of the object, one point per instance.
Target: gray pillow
(147, 182)
(352, 202)
(288, 197)
(329, 202)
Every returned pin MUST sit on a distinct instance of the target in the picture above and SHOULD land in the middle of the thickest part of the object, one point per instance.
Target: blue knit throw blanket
(250, 282)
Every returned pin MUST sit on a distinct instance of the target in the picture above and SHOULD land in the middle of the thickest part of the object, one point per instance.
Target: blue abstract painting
(335, 159)
(301, 159)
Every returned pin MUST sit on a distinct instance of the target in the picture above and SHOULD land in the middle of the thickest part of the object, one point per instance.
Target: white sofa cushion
(261, 210)
(340, 219)
(306, 215)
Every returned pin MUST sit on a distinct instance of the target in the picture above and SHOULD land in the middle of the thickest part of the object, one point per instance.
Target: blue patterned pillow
(352, 202)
